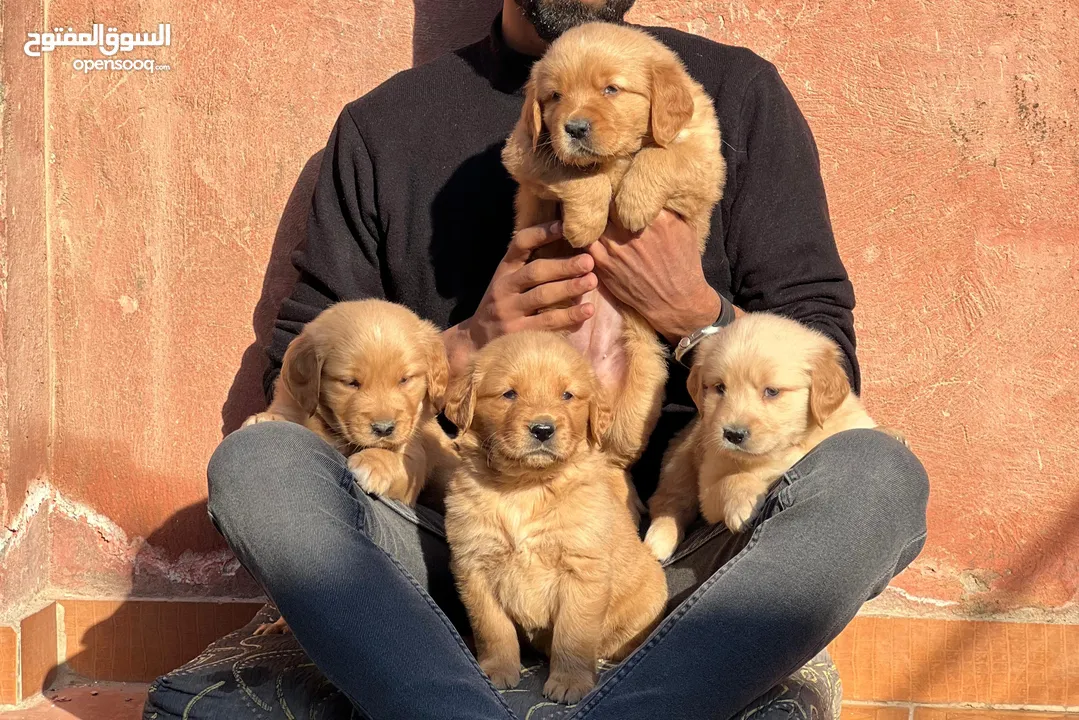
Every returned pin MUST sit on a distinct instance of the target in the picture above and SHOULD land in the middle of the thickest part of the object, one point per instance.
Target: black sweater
(413, 205)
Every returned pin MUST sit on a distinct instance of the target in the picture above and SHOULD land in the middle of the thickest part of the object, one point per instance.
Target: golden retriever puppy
(611, 115)
(369, 377)
(541, 535)
(768, 390)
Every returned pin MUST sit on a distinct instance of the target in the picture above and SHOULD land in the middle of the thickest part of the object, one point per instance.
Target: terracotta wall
(148, 219)
(25, 393)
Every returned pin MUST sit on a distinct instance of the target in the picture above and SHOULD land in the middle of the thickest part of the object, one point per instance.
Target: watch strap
(683, 350)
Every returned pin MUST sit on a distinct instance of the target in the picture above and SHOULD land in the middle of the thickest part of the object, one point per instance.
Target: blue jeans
(366, 588)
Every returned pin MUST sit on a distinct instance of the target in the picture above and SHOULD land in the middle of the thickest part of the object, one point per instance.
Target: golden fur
(541, 534)
(654, 143)
(365, 362)
(732, 381)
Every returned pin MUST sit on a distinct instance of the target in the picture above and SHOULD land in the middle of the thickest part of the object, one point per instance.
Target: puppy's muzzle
(735, 435)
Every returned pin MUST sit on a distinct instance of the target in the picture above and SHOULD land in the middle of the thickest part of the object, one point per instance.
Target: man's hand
(658, 273)
(543, 294)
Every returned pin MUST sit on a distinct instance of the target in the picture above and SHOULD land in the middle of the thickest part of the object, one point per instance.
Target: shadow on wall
(1011, 593)
(139, 640)
(441, 26)
(246, 396)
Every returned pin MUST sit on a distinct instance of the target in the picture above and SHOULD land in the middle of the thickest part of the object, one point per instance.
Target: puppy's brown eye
(721, 389)
(610, 90)
(354, 383)
(567, 395)
(555, 97)
(403, 381)
(510, 394)
(771, 392)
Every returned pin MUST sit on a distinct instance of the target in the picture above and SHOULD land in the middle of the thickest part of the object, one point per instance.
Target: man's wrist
(700, 314)
(684, 349)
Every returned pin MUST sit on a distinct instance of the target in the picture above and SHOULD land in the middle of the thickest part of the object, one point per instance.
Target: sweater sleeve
(340, 259)
(780, 243)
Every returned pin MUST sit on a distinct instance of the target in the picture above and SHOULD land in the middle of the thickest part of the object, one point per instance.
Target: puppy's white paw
(370, 474)
(504, 675)
(277, 627)
(741, 510)
(266, 416)
(662, 538)
(568, 688)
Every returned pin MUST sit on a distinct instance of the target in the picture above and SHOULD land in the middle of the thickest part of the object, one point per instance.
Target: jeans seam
(363, 526)
(449, 626)
(887, 574)
(664, 629)
(411, 515)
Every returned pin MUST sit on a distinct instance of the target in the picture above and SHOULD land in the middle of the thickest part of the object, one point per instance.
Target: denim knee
(893, 478)
(880, 482)
(257, 470)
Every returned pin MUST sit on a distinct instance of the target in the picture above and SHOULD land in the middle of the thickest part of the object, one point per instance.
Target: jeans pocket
(424, 517)
(781, 496)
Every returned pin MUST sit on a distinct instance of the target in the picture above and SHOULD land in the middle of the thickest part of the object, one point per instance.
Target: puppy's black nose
(578, 128)
(383, 428)
(735, 436)
(542, 431)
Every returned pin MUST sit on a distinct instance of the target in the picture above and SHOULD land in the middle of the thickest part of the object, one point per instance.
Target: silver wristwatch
(685, 345)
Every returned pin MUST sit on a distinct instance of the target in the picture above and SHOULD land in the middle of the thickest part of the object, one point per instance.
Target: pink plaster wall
(147, 222)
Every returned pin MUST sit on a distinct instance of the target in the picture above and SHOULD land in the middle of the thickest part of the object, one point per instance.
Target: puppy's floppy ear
(438, 370)
(695, 385)
(599, 417)
(532, 114)
(301, 371)
(461, 400)
(829, 385)
(672, 100)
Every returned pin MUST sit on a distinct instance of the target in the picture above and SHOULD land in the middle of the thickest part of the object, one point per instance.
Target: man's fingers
(546, 270)
(557, 293)
(561, 319)
(526, 240)
(599, 253)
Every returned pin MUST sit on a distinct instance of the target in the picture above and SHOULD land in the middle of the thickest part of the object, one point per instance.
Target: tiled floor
(915, 712)
(951, 663)
(862, 712)
(119, 701)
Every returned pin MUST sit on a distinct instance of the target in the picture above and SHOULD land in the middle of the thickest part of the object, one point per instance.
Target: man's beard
(551, 18)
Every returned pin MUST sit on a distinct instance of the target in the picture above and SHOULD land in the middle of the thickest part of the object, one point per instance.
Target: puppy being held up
(611, 116)
(539, 520)
(768, 390)
(368, 376)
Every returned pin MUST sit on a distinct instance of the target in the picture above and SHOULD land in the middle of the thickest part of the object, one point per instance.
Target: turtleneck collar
(506, 68)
